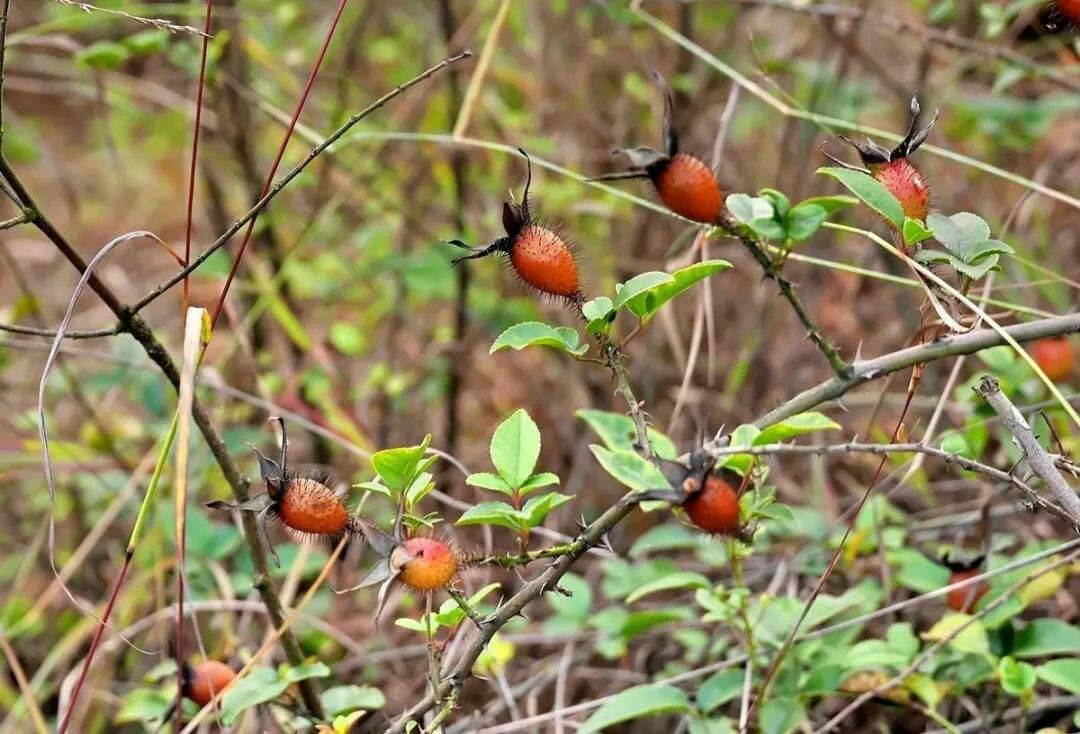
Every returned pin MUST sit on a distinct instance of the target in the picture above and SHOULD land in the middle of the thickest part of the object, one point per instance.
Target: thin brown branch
(165, 25)
(813, 332)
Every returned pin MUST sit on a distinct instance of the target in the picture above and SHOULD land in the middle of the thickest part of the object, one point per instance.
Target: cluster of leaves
(642, 296)
(770, 216)
(515, 449)
(964, 237)
(402, 475)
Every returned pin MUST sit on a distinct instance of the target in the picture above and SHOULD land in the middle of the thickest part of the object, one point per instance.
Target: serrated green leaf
(768, 229)
(746, 208)
(779, 201)
(486, 480)
(515, 448)
(830, 204)
(804, 220)
(681, 580)
(796, 425)
(959, 233)
(492, 513)
(345, 699)
(639, 285)
(398, 467)
(630, 469)
(537, 508)
(637, 703)
(536, 334)
(872, 193)
(645, 305)
(260, 685)
(914, 231)
(617, 431)
(296, 673)
(538, 481)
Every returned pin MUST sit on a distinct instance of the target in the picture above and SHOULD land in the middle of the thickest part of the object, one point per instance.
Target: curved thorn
(528, 183)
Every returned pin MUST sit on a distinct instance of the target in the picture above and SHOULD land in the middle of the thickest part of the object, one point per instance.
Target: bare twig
(729, 225)
(1037, 458)
(282, 182)
(155, 22)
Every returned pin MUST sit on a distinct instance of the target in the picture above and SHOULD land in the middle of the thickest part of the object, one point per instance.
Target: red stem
(195, 146)
(94, 643)
(280, 155)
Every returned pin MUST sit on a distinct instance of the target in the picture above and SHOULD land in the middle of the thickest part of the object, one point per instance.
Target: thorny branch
(731, 227)
(1040, 462)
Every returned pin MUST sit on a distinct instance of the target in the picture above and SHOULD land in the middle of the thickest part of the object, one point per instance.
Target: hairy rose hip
(203, 681)
(964, 599)
(305, 506)
(894, 169)
(715, 507)
(685, 184)
(540, 256)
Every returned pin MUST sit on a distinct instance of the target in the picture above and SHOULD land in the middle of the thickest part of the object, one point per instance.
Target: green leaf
(599, 313)
(537, 508)
(149, 41)
(796, 425)
(781, 715)
(576, 606)
(959, 232)
(830, 204)
(534, 333)
(398, 467)
(971, 638)
(103, 55)
(1046, 637)
(143, 705)
(636, 703)
(303, 672)
(663, 538)
(492, 513)
(929, 257)
(629, 468)
(260, 685)
(486, 480)
(681, 580)
(617, 431)
(515, 447)
(768, 229)
(989, 247)
(926, 688)
(538, 481)
(348, 338)
(1016, 677)
(914, 231)
(804, 220)
(779, 201)
(345, 699)
(638, 285)
(977, 271)
(719, 688)
(1064, 673)
(746, 208)
(645, 305)
(872, 193)
(915, 571)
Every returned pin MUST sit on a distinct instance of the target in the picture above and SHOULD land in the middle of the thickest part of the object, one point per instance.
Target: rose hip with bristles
(964, 599)
(707, 494)
(424, 564)
(715, 507)
(203, 681)
(685, 184)
(894, 169)
(305, 506)
(541, 257)
(1055, 356)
